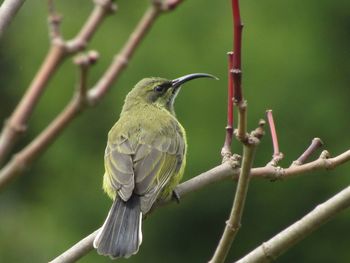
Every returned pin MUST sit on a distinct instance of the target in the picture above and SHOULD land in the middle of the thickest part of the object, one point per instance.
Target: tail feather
(120, 235)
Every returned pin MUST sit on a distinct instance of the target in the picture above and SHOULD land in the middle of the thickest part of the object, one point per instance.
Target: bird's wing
(119, 166)
(143, 168)
(154, 166)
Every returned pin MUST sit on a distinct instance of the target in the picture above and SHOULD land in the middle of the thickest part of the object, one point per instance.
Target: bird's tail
(120, 235)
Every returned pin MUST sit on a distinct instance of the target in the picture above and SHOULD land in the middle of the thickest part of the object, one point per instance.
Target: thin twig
(54, 20)
(8, 10)
(237, 73)
(121, 60)
(22, 160)
(270, 250)
(237, 51)
(226, 152)
(234, 222)
(277, 155)
(171, 4)
(241, 131)
(316, 143)
(16, 125)
(101, 10)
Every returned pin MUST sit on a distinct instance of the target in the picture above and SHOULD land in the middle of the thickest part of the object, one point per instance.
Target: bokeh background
(296, 61)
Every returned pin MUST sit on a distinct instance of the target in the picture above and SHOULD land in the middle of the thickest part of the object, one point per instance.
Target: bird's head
(159, 91)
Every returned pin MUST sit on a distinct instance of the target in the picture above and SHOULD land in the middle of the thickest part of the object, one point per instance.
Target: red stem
(276, 151)
(230, 92)
(237, 47)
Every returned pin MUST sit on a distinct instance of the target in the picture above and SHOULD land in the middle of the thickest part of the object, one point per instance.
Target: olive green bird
(145, 159)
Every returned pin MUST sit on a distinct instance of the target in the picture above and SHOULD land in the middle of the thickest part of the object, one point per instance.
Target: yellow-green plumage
(144, 160)
(155, 128)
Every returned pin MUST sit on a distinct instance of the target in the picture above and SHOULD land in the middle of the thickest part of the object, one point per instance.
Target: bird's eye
(159, 88)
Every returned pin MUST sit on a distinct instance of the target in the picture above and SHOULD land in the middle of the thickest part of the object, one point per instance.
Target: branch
(276, 246)
(234, 222)
(237, 72)
(315, 144)
(16, 125)
(122, 59)
(22, 160)
(277, 155)
(222, 172)
(8, 10)
(226, 149)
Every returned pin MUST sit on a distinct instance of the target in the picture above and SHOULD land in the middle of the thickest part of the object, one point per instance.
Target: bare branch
(8, 10)
(241, 131)
(16, 125)
(234, 222)
(219, 173)
(30, 153)
(226, 149)
(273, 248)
(101, 10)
(237, 51)
(54, 20)
(277, 155)
(315, 145)
(122, 59)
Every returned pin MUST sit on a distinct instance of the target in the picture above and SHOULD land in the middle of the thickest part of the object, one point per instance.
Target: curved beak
(179, 81)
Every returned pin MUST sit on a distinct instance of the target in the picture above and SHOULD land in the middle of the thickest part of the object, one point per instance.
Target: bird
(144, 160)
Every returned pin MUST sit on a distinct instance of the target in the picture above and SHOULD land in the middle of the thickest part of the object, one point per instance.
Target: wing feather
(143, 168)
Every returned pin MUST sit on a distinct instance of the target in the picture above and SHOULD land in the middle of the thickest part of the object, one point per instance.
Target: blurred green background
(296, 61)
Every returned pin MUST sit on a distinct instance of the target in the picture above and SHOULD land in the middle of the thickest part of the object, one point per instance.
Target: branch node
(225, 154)
(278, 174)
(259, 131)
(166, 5)
(236, 71)
(234, 161)
(86, 60)
(231, 227)
(15, 127)
(21, 162)
(266, 250)
(54, 21)
(123, 60)
(276, 158)
(76, 44)
(325, 155)
(107, 5)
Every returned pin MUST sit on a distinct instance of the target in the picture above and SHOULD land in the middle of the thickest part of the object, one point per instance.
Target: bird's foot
(176, 196)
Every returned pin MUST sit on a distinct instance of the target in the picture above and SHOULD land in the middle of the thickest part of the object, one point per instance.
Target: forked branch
(22, 160)
(276, 246)
(219, 173)
(16, 125)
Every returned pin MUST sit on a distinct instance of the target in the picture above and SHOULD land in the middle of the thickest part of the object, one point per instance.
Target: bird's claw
(176, 196)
